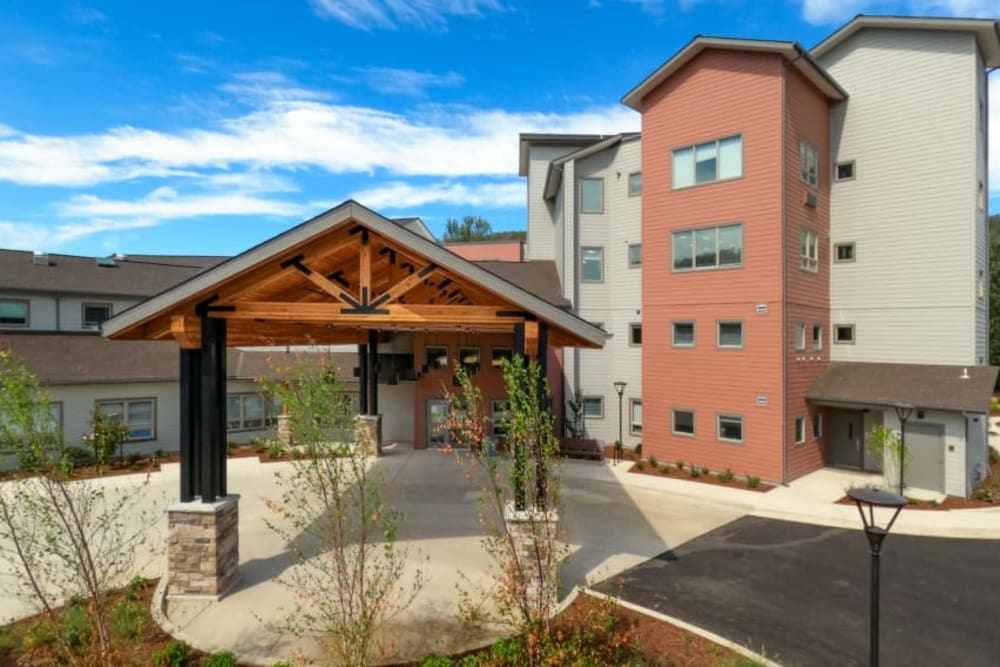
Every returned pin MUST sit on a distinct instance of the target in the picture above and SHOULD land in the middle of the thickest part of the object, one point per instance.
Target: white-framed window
(708, 162)
(635, 184)
(498, 354)
(800, 430)
(843, 334)
(682, 422)
(729, 428)
(707, 248)
(592, 265)
(817, 337)
(245, 412)
(730, 334)
(500, 415)
(635, 416)
(591, 195)
(635, 255)
(808, 163)
(635, 334)
(469, 358)
(818, 425)
(800, 336)
(95, 314)
(809, 250)
(14, 312)
(683, 334)
(593, 407)
(844, 171)
(138, 414)
(436, 356)
(843, 252)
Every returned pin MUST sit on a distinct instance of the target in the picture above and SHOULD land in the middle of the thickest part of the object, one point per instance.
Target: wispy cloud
(392, 14)
(25, 236)
(167, 204)
(392, 81)
(823, 12)
(399, 195)
(86, 15)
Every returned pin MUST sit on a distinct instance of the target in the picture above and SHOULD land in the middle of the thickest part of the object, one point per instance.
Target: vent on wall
(810, 200)
(40, 258)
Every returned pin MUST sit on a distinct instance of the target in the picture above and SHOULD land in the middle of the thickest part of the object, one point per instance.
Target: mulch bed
(710, 478)
(991, 483)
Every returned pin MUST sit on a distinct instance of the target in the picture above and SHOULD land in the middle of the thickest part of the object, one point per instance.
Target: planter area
(693, 473)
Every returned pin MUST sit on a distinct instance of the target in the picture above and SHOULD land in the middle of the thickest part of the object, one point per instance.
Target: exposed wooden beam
(396, 313)
(186, 330)
(405, 285)
(365, 267)
(531, 338)
(327, 285)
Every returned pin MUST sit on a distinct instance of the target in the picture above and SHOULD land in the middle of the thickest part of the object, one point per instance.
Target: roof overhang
(527, 140)
(987, 32)
(793, 52)
(277, 262)
(553, 178)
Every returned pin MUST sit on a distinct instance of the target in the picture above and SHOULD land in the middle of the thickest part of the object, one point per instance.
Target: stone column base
(203, 548)
(527, 527)
(369, 435)
(284, 431)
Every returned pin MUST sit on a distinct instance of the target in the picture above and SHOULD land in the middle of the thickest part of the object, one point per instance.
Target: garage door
(926, 445)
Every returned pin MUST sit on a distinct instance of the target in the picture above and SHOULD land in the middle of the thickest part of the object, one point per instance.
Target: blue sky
(206, 127)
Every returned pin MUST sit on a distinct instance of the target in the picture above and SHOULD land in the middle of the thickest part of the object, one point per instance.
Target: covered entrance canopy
(341, 277)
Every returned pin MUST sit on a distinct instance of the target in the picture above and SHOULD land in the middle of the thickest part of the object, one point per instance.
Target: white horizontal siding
(541, 226)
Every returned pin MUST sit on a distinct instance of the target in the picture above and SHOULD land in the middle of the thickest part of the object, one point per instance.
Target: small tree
(885, 444)
(519, 501)
(575, 424)
(107, 433)
(349, 574)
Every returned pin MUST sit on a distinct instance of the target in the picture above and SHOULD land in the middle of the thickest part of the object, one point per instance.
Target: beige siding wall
(46, 312)
(541, 225)
(910, 127)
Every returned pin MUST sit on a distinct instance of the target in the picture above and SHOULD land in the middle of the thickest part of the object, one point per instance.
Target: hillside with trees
(475, 228)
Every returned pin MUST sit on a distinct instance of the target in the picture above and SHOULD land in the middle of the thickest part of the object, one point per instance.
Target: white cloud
(167, 204)
(391, 14)
(823, 12)
(25, 236)
(392, 81)
(398, 195)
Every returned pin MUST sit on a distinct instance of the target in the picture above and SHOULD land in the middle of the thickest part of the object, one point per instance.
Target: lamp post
(620, 388)
(903, 412)
(870, 499)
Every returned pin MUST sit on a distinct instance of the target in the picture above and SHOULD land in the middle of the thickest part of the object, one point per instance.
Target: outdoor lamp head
(870, 499)
(620, 387)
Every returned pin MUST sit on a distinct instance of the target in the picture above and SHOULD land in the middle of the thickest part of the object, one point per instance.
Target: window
(635, 335)
(845, 171)
(708, 248)
(800, 336)
(245, 412)
(808, 163)
(800, 430)
(591, 195)
(499, 354)
(683, 422)
(500, 410)
(138, 414)
(593, 407)
(635, 255)
(635, 184)
(843, 252)
(683, 334)
(468, 357)
(730, 334)
(635, 416)
(843, 333)
(809, 250)
(817, 337)
(708, 162)
(94, 314)
(818, 425)
(436, 356)
(730, 428)
(981, 197)
(592, 265)
(13, 313)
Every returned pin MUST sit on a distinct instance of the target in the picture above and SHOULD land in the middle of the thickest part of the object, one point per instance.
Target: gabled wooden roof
(333, 278)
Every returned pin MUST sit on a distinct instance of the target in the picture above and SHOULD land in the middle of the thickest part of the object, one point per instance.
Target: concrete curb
(693, 629)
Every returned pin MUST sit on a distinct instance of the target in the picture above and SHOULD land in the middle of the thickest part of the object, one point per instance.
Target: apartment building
(814, 250)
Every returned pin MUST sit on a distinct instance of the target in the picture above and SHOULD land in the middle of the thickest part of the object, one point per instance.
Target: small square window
(436, 356)
(730, 428)
(635, 256)
(683, 334)
(800, 336)
(591, 195)
(800, 430)
(635, 335)
(635, 416)
(844, 252)
(845, 171)
(592, 265)
(730, 334)
(499, 354)
(469, 358)
(683, 422)
(817, 337)
(818, 425)
(843, 334)
(13, 313)
(95, 314)
(635, 184)
(593, 407)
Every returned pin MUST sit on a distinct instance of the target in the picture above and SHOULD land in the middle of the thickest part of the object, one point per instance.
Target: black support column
(190, 431)
(212, 457)
(373, 372)
(363, 379)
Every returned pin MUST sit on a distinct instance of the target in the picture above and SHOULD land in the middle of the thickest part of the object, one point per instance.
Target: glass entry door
(437, 415)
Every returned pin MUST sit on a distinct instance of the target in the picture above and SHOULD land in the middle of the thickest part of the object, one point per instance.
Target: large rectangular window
(730, 334)
(591, 195)
(138, 414)
(683, 422)
(708, 247)
(683, 334)
(13, 313)
(635, 416)
(245, 412)
(708, 162)
(809, 250)
(808, 163)
(730, 428)
(592, 265)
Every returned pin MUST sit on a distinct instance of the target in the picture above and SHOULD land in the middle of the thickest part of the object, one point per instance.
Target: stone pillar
(203, 550)
(284, 428)
(529, 528)
(368, 434)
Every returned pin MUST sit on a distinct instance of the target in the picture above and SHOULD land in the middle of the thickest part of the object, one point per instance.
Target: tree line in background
(475, 228)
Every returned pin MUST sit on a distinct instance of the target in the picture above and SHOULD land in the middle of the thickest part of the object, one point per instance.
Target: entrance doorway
(925, 443)
(850, 429)
(437, 415)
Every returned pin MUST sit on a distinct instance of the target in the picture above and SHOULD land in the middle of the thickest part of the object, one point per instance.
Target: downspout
(784, 280)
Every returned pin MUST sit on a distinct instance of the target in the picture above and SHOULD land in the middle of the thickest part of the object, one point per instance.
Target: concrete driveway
(798, 593)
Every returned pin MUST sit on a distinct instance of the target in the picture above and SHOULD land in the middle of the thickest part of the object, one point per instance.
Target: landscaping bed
(693, 473)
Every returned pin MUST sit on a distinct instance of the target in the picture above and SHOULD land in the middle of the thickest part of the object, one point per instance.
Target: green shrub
(435, 660)
(76, 629)
(653, 462)
(680, 466)
(133, 458)
(283, 663)
(509, 652)
(994, 456)
(705, 471)
(174, 653)
(640, 465)
(78, 456)
(159, 453)
(752, 481)
(987, 495)
(694, 471)
(665, 468)
(638, 449)
(41, 634)
(259, 444)
(128, 619)
(10, 640)
(994, 404)
(726, 475)
(275, 449)
(226, 659)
